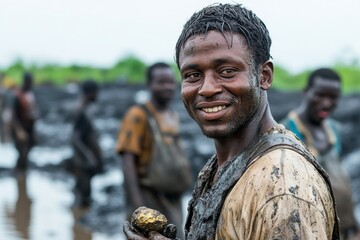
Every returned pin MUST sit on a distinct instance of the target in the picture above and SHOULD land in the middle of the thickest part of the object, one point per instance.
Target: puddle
(38, 205)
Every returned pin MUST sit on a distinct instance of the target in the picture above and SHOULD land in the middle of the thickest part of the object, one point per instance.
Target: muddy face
(163, 84)
(322, 99)
(219, 89)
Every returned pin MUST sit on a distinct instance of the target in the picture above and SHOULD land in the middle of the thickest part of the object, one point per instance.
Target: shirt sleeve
(288, 217)
(132, 132)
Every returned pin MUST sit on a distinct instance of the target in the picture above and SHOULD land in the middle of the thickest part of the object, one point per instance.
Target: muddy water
(38, 205)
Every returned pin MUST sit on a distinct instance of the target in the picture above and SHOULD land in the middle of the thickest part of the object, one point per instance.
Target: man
(2, 108)
(261, 183)
(23, 116)
(311, 122)
(87, 153)
(155, 168)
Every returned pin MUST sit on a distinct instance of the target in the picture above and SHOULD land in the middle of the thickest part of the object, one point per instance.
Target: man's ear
(266, 75)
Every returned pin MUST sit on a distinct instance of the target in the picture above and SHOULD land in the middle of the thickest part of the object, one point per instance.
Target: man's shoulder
(283, 172)
(136, 111)
(283, 181)
(333, 123)
(280, 174)
(286, 159)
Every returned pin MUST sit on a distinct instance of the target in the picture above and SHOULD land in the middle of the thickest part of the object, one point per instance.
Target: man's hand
(131, 234)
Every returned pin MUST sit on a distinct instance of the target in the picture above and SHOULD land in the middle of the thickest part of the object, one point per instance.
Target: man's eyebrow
(215, 62)
(226, 60)
(189, 66)
(222, 60)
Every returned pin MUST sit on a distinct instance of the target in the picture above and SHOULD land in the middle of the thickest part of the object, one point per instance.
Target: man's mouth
(323, 114)
(214, 109)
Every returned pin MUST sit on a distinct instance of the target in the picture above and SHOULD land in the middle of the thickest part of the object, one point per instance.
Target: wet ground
(38, 205)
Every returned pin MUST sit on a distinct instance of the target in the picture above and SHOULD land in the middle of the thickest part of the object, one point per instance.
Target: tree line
(132, 70)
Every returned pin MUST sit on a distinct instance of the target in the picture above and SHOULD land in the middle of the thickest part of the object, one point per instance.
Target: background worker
(313, 124)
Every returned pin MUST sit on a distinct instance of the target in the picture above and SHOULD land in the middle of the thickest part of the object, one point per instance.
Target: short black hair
(324, 73)
(89, 86)
(151, 68)
(27, 76)
(232, 18)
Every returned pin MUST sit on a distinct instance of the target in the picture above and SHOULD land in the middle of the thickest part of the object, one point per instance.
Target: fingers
(157, 236)
(170, 231)
(131, 234)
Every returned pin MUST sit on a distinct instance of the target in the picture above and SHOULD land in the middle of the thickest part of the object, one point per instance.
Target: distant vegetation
(350, 75)
(132, 70)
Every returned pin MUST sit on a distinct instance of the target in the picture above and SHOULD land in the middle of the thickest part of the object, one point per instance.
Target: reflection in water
(20, 216)
(79, 232)
(38, 206)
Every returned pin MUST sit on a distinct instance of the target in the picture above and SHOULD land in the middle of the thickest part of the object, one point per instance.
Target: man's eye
(228, 72)
(192, 76)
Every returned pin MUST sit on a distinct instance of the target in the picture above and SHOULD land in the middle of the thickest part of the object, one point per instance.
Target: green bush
(132, 70)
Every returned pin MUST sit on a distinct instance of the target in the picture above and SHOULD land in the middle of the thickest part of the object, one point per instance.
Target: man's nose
(329, 102)
(210, 86)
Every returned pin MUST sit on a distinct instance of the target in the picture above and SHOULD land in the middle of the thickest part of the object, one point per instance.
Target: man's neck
(228, 149)
(160, 106)
(305, 118)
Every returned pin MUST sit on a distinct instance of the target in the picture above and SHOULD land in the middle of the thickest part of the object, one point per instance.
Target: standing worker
(311, 122)
(156, 171)
(261, 183)
(87, 153)
(23, 117)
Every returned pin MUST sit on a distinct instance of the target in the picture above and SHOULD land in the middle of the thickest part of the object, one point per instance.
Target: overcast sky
(305, 34)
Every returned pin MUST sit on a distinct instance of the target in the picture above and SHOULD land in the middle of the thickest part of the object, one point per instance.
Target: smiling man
(261, 183)
(311, 122)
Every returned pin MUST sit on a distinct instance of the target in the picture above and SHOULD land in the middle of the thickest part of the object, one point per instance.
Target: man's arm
(131, 179)
(130, 146)
(85, 153)
(288, 217)
(19, 131)
(82, 140)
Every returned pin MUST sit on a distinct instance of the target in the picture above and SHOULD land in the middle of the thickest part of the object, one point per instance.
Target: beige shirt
(296, 203)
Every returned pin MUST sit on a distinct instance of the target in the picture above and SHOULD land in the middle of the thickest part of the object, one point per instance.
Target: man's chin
(214, 134)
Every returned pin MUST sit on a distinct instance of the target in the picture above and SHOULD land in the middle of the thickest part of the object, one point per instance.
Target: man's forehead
(325, 82)
(227, 36)
(213, 39)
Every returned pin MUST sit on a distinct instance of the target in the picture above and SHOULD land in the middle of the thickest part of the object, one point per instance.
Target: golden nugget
(147, 220)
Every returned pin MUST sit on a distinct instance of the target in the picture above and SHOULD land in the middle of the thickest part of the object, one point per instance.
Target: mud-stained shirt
(274, 200)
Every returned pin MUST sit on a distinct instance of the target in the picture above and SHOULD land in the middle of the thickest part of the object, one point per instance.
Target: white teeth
(214, 109)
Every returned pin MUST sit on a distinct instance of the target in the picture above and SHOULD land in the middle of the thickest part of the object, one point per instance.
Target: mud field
(46, 192)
